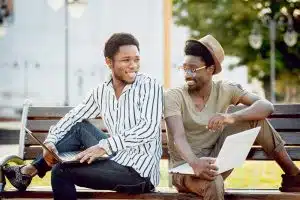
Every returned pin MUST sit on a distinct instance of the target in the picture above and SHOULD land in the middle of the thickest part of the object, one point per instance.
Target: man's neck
(118, 87)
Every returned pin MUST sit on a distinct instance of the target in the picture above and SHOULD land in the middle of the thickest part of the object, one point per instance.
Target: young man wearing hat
(197, 122)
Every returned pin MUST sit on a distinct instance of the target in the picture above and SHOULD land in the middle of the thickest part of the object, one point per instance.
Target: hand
(217, 122)
(50, 160)
(205, 168)
(90, 154)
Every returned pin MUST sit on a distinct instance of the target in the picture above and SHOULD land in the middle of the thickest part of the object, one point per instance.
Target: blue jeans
(102, 174)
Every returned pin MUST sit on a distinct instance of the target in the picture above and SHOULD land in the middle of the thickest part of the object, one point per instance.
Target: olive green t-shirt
(178, 102)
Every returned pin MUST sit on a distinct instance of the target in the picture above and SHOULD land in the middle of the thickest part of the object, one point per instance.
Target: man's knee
(81, 124)
(78, 127)
(269, 138)
(215, 189)
(57, 171)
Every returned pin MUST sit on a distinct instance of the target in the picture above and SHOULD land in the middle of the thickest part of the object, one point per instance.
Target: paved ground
(8, 149)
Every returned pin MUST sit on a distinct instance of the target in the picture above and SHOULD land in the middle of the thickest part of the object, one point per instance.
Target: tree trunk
(287, 95)
(267, 89)
(293, 90)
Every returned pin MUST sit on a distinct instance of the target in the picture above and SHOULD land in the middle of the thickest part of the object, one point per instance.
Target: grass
(252, 175)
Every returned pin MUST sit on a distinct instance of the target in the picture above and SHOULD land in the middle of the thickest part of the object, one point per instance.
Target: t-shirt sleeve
(237, 92)
(172, 103)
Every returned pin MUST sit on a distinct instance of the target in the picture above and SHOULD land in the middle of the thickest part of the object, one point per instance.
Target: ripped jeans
(101, 174)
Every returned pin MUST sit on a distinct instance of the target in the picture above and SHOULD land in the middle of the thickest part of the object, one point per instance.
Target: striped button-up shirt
(133, 121)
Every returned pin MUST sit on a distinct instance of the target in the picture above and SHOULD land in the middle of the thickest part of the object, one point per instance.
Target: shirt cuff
(106, 146)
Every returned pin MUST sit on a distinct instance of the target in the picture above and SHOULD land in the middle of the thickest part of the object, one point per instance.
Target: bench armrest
(12, 158)
(3, 161)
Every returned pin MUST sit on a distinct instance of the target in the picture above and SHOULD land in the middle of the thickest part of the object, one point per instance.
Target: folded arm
(87, 109)
(257, 109)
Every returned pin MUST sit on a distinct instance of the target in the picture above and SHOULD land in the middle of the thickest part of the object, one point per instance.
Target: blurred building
(37, 37)
(32, 53)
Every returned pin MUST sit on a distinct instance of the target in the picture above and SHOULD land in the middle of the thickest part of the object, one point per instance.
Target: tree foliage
(231, 22)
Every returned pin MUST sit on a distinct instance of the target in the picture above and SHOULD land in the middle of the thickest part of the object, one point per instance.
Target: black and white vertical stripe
(133, 121)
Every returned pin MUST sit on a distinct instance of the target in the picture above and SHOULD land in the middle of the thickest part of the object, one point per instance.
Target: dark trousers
(102, 174)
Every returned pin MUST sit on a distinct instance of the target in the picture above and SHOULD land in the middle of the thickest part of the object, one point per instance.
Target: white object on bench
(232, 154)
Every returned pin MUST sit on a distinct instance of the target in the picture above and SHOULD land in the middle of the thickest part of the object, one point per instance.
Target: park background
(51, 52)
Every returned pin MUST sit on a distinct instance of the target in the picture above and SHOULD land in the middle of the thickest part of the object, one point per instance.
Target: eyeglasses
(190, 71)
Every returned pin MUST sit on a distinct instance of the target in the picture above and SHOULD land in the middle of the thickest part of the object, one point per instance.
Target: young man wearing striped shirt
(131, 105)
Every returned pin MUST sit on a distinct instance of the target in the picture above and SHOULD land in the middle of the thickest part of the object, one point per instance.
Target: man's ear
(108, 62)
(212, 69)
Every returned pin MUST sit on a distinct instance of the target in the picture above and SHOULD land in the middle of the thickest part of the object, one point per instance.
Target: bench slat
(42, 136)
(256, 153)
(36, 111)
(291, 138)
(280, 110)
(163, 193)
(31, 152)
(287, 109)
(55, 113)
(280, 124)
(48, 111)
(31, 141)
(44, 125)
(284, 124)
(92, 194)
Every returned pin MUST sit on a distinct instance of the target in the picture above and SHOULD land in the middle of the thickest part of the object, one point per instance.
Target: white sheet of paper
(182, 169)
(232, 154)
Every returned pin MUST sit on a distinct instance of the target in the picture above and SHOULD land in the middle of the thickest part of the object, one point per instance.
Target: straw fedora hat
(215, 49)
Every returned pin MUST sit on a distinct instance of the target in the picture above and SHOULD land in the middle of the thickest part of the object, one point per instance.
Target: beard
(195, 84)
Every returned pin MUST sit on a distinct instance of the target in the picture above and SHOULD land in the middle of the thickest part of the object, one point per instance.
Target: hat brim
(217, 64)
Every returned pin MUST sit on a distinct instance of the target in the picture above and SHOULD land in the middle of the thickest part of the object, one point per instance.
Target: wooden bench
(285, 119)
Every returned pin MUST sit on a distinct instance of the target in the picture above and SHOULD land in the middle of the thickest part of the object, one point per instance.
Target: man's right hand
(50, 160)
(205, 168)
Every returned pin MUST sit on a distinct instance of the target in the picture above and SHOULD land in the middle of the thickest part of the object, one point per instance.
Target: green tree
(231, 22)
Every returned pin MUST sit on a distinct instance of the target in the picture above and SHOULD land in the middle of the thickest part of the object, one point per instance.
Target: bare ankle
(286, 163)
(295, 172)
(29, 170)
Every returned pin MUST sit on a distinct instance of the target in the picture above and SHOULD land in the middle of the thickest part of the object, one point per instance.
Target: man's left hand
(217, 122)
(90, 154)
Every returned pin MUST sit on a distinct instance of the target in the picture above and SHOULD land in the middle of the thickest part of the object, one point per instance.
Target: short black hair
(195, 48)
(116, 40)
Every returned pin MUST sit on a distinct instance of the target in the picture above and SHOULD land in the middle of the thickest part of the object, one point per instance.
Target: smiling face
(196, 79)
(125, 64)
(122, 55)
